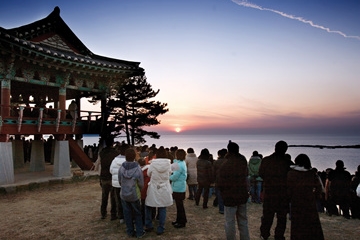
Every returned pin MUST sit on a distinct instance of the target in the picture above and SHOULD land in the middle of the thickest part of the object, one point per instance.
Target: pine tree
(131, 110)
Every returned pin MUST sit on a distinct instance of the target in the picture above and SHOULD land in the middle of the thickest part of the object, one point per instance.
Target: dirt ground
(72, 211)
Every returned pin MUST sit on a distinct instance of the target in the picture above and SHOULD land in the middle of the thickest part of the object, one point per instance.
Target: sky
(228, 66)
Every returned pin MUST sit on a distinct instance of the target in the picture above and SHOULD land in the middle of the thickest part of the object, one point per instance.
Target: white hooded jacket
(159, 192)
(114, 170)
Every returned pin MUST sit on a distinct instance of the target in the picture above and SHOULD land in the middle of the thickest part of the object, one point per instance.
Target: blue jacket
(178, 177)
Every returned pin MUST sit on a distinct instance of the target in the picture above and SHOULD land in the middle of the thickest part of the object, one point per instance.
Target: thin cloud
(300, 19)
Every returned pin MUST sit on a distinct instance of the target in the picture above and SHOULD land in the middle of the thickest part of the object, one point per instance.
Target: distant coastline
(325, 146)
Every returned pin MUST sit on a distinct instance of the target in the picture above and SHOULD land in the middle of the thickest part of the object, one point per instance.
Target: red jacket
(146, 182)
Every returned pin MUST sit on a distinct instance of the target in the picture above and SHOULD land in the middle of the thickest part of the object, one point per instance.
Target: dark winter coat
(304, 188)
(273, 170)
(216, 168)
(204, 172)
(232, 180)
(340, 181)
(107, 155)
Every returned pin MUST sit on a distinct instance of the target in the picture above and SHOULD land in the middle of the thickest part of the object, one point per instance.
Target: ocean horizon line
(321, 158)
(244, 134)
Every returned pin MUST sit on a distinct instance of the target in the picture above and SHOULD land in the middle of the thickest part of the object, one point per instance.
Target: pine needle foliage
(131, 109)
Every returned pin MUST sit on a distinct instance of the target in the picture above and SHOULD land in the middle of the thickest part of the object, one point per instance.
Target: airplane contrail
(300, 19)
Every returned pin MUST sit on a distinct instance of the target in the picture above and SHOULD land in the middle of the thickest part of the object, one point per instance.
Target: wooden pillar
(5, 97)
(62, 101)
(62, 108)
(104, 114)
(78, 103)
(5, 103)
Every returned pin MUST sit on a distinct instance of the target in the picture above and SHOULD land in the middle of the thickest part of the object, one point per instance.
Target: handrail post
(58, 119)
(20, 118)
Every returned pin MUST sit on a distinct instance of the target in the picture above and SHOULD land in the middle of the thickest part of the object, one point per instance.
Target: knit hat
(233, 147)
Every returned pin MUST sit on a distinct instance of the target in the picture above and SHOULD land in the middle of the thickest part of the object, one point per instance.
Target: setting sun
(177, 129)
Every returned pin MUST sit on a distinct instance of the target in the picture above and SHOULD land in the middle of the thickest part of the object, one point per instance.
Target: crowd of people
(143, 181)
(27, 145)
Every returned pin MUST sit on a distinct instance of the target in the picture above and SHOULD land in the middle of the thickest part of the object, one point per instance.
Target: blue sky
(228, 66)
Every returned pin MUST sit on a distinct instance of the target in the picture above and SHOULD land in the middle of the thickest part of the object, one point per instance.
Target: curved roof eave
(53, 23)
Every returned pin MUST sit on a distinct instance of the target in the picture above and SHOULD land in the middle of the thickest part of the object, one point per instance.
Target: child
(131, 181)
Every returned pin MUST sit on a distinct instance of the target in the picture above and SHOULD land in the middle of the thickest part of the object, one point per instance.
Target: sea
(321, 158)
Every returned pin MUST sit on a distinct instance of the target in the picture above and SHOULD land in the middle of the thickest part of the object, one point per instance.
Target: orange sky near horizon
(180, 120)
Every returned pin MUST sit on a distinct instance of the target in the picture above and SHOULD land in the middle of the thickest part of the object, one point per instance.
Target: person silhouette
(273, 170)
(232, 183)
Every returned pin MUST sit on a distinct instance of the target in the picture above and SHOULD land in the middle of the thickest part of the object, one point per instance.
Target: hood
(254, 160)
(130, 169)
(190, 155)
(119, 160)
(161, 164)
(298, 168)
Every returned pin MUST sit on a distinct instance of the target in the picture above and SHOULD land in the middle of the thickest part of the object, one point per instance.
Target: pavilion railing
(39, 117)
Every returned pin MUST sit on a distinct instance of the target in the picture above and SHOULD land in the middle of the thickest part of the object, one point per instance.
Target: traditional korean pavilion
(45, 63)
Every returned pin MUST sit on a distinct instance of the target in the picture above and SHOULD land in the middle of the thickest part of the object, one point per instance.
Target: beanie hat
(233, 147)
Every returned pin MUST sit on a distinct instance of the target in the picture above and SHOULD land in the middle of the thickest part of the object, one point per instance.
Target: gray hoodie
(131, 180)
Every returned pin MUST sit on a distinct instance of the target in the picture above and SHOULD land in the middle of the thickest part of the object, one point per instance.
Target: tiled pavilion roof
(52, 36)
(51, 40)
